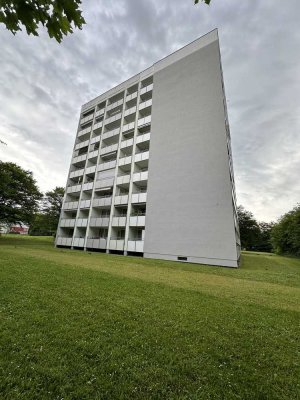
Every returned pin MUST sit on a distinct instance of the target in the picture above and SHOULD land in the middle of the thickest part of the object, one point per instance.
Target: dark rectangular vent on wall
(182, 258)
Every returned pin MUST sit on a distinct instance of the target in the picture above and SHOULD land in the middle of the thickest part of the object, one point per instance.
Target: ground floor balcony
(135, 246)
(96, 243)
(64, 241)
(78, 242)
(116, 244)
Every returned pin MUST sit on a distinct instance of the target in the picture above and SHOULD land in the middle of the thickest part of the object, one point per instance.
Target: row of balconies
(103, 221)
(102, 243)
(136, 198)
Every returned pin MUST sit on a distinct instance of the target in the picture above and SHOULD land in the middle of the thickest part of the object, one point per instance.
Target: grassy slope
(77, 325)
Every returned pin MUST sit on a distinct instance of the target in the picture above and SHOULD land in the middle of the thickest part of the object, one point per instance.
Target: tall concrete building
(151, 173)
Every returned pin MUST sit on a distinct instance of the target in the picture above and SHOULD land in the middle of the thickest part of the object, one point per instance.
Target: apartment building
(151, 172)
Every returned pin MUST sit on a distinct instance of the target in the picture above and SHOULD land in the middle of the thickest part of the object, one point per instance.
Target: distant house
(19, 229)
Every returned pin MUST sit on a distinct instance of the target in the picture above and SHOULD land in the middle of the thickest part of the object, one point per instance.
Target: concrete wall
(189, 204)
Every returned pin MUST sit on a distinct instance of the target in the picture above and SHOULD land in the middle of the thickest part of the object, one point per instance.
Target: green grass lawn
(77, 325)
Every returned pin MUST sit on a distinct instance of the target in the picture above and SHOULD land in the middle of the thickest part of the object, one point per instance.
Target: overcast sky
(43, 85)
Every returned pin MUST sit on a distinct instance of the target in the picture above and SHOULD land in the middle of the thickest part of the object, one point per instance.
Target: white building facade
(151, 173)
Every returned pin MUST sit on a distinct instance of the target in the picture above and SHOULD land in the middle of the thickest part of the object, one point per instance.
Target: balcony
(79, 159)
(96, 243)
(95, 139)
(144, 121)
(85, 203)
(125, 161)
(75, 174)
(135, 245)
(100, 112)
(109, 149)
(84, 131)
(145, 104)
(139, 198)
(126, 143)
(114, 105)
(91, 170)
(99, 222)
(140, 176)
(143, 138)
(97, 127)
(74, 189)
(112, 119)
(107, 165)
(64, 241)
(67, 223)
(102, 201)
(93, 154)
(104, 183)
(81, 222)
(137, 220)
(131, 96)
(86, 119)
(78, 242)
(128, 127)
(146, 89)
(88, 186)
(142, 156)
(123, 179)
(130, 111)
(116, 244)
(110, 134)
(70, 205)
(121, 199)
(81, 145)
(118, 221)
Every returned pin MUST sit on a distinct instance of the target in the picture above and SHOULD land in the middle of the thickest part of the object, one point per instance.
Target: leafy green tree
(264, 243)
(249, 229)
(19, 194)
(53, 204)
(205, 1)
(285, 235)
(58, 16)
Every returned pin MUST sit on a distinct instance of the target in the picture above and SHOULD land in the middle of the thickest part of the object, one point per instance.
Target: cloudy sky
(43, 85)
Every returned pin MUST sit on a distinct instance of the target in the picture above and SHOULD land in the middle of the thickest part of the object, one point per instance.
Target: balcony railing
(109, 134)
(103, 183)
(67, 223)
(88, 186)
(109, 149)
(146, 89)
(99, 222)
(144, 121)
(91, 170)
(123, 179)
(114, 105)
(81, 222)
(70, 205)
(142, 156)
(131, 96)
(113, 118)
(130, 111)
(143, 138)
(94, 153)
(64, 241)
(96, 243)
(102, 202)
(140, 176)
(137, 220)
(74, 189)
(80, 158)
(78, 242)
(75, 174)
(100, 112)
(116, 244)
(118, 221)
(125, 161)
(85, 203)
(84, 131)
(81, 145)
(121, 199)
(135, 245)
(107, 165)
(139, 197)
(145, 104)
(128, 127)
(86, 119)
(95, 139)
(126, 143)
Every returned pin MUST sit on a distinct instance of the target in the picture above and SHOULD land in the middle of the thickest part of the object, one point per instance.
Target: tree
(249, 229)
(58, 16)
(285, 235)
(52, 205)
(205, 1)
(19, 194)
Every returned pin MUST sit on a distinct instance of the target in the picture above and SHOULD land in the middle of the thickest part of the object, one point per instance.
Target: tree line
(22, 202)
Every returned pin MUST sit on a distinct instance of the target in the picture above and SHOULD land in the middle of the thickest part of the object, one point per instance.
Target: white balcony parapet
(147, 89)
(107, 165)
(99, 113)
(109, 149)
(138, 220)
(84, 120)
(88, 186)
(64, 241)
(140, 176)
(79, 158)
(104, 183)
(118, 221)
(135, 245)
(131, 96)
(95, 139)
(84, 131)
(116, 244)
(93, 154)
(99, 222)
(113, 118)
(85, 203)
(142, 156)
(81, 222)
(102, 202)
(145, 104)
(75, 174)
(122, 199)
(130, 111)
(111, 133)
(144, 121)
(81, 145)
(70, 205)
(123, 179)
(125, 161)
(78, 242)
(143, 138)
(74, 189)
(98, 125)
(91, 170)
(126, 143)
(67, 223)
(96, 243)
(114, 105)
(139, 197)
(128, 127)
